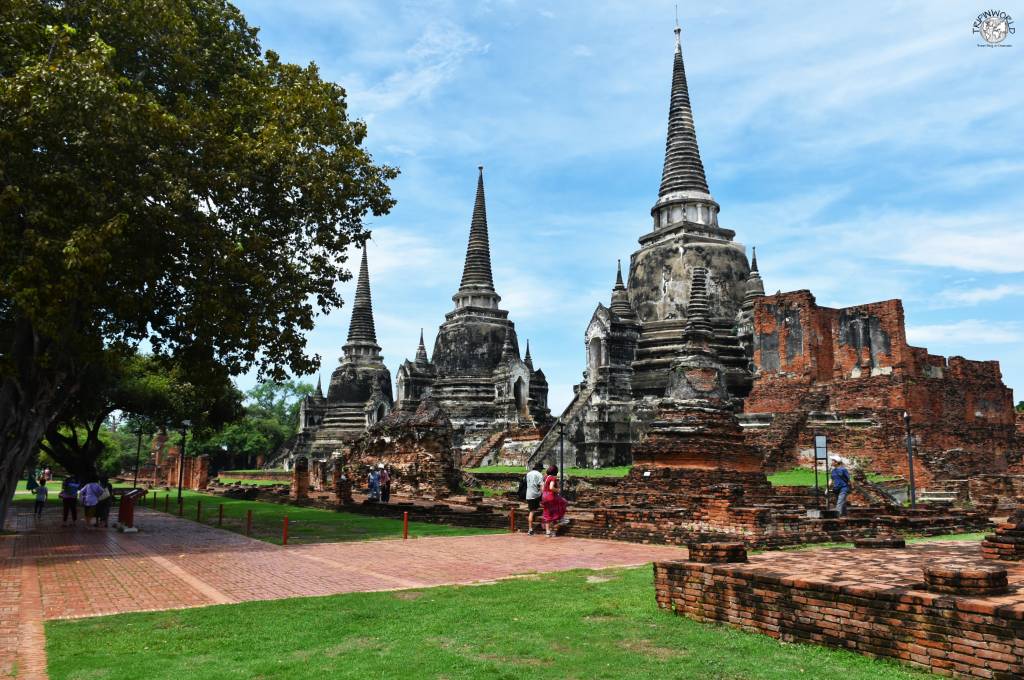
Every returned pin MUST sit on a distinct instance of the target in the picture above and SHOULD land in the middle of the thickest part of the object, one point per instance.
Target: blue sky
(869, 150)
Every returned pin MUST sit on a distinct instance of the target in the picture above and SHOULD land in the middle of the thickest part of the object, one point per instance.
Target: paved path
(50, 572)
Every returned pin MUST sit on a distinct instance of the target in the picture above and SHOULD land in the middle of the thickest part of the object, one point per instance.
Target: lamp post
(561, 456)
(910, 459)
(138, 452)
(185, 424)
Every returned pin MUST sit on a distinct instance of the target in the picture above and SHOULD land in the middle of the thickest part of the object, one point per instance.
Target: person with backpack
(106, 500)
(531, 491)
(69, 499)
(92, 494)
(42, 493)
(373, 485)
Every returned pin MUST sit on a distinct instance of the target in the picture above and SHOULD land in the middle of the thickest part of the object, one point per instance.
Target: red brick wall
(941, 634)
(855, 365)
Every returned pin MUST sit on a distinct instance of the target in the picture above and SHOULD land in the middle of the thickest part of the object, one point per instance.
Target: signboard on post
(820, 447)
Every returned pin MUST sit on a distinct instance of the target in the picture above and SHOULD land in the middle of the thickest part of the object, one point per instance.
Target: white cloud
(974, 296)
(966, 332)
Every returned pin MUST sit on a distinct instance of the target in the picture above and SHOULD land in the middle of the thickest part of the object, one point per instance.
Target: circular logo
(993, 26)
(994, 30)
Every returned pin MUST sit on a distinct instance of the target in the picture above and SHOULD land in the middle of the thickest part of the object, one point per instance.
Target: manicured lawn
(305, 525)
(975, 536)
(580, 624)
(252, 482)
(258, 471)
(620, 471)
(805, 477)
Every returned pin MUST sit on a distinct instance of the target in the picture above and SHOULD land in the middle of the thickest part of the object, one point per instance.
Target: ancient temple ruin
(476, 373)
(790, 369)
(358, 395)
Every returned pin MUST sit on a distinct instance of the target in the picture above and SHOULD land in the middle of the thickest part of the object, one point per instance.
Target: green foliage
(1020, 406)
(271, 417)
(805, 477)
(620, 471)
(578, 624)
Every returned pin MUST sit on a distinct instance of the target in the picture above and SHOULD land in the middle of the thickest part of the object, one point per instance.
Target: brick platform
(50, 572)
(873, 603)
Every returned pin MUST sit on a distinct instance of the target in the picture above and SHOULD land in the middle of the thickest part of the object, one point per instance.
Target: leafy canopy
(165, 180)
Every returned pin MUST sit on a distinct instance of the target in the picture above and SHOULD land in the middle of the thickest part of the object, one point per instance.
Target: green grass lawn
(974, 536)
(305, 525)
(580, 624)
(620, 471)
(252, 482)
(805, 477)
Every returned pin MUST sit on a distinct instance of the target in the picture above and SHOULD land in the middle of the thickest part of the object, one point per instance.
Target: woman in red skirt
(552, 502)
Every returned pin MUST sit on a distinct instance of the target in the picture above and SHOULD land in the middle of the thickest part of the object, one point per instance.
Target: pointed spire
(362, 330)
(508, 352)
(477, 270)
(319, 388)
(620, 297)
(421, 351)
(527, 359)
(683, 169)
(753, 260)
(755, 286)
(698, 325)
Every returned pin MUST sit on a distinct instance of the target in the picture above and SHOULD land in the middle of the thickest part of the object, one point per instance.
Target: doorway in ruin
(595, 355)
(519, 394)
(381, 412)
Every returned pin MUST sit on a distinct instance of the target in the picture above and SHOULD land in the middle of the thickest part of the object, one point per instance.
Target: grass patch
(252, 482)
(805, 477)
(553, 626)
(620, 471)
(305, 525)
(252, 472)
(973, 536)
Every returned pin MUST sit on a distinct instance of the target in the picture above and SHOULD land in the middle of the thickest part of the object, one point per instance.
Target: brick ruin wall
(850, 374)
(942, 634)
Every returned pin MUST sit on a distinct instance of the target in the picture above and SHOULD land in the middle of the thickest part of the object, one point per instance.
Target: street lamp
(138, 452)
(910, 459)
(185, 424)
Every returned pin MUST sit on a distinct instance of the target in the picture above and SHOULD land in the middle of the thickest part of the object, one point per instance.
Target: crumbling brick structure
(300, 479)
(417, 449)
(850, 374)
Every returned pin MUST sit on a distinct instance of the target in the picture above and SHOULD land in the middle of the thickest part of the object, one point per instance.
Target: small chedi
(476, 373)
(358, 395)
(791, 369)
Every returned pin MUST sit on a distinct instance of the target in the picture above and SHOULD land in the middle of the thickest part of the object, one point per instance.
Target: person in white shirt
(534, 482)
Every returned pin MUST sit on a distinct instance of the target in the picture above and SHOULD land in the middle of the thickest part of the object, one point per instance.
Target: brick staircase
(945, 491)
(569, 417)
(489, 446)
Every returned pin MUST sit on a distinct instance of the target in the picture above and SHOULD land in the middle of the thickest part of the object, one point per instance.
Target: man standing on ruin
(534, 481)
(840, 485)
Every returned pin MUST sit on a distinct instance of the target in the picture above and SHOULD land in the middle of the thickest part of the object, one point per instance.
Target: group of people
(96, 497)
(544, 492)
(378, 484)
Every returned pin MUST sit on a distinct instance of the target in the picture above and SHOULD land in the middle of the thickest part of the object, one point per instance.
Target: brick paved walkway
(50, 572)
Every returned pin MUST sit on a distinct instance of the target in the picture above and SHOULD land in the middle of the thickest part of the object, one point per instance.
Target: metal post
(138, 452)
(199, 511)
(167, 502)
(248, 522)
(405, 525)
(512, 521)
(817, 489)
(910, 459)
(561, 457)
(284, 535)
(220, 515)
(181, 458)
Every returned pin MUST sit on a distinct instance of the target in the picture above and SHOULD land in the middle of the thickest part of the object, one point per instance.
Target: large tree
(162, 179)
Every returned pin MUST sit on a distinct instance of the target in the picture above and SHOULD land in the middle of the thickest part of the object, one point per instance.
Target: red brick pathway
(50, 572)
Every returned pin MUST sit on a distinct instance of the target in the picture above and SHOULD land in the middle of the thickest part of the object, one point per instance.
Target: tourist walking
(553, 503)
(92, 493)
(385, 484)
(534, 484)
(373, 485)
(69, 499)
(840, 485)
(42, 493)
(106, 500)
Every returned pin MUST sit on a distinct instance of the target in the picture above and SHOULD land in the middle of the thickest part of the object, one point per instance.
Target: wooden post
(248, 522)
(220, 515)
(405, 525)
(181, 507)
(199, 511)
(167, 502)
(512, 521)
(284, 534)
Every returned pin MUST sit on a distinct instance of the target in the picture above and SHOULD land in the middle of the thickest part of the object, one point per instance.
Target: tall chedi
(632, 345)
(359, 393)
(475, 373)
